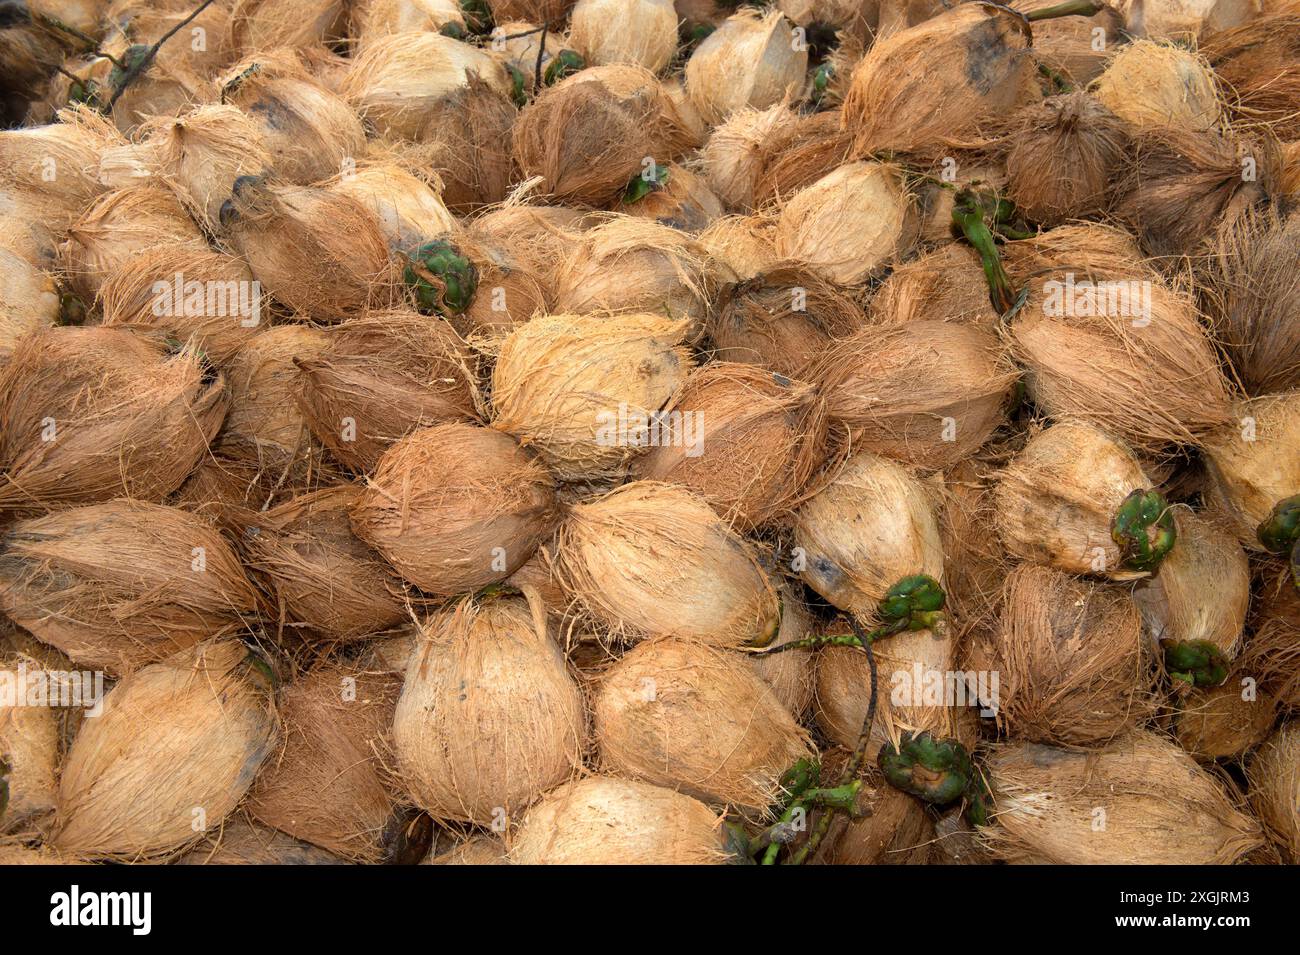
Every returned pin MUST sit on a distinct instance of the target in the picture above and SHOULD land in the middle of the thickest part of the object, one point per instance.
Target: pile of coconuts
(479, 432)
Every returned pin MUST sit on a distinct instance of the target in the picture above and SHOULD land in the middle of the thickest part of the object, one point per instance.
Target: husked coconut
(640, 32)
(676, 197)
(466, 141)
(733, 158)
(267, 24)
(240, 842)
(407, 208)
(797, 155)
(947, 285)
(744, 245)
(1223, 722)
(1274, 773)
(1252, 462)
(1075, 46)
(476, 850)
(29, 300)
(56, 165)
(894, 828)
(373, 19)
(30, 739)
(512, 289)
(790, 673)
(1185, 20)
(1154, 86)
(751, 60)
(1257, 61)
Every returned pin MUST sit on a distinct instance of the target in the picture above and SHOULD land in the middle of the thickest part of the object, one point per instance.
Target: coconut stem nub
(1280, 531)
(442, 280)
(1196, 662)
(934, 770)
(1144, 530)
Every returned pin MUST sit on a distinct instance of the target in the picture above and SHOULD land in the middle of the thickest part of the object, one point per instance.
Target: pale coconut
(29, 300)
(790, 673)
(240, 842)
(947, 285)
(30, 739)
(677, 197)
(266, 24)
(640, 32)
(1225, 721)
(1252, 462)
(1274, 773)
(373, 19)
(408, 209)
(751, 60)
(1185, 20)
(1159, 86)
(734, 156)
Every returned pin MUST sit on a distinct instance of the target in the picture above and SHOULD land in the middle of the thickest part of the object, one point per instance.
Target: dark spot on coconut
(986, 57)
(273, 112)
(826, 572)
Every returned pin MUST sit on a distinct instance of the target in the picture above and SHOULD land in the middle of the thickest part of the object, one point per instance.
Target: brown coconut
(1274, 773)
(380, 377)
(790, 673)
(699, 720)
(373, 19)
(1272, 652)
(29, 300)
(751, 60)
(869, 527)
(456, 507)
(30, 739)
(1159, 807)
(465, 139)
(1155, 86)
(1257, 61)
(207, 51)
(325, 785)
(476, 850)
(745, 246)
(679, 198)
(240, 842)
(95, 413)
(539, 237)
(894, 828)
(1185, 20)
(1225, 721)
(603, 820)
(489, 716)
(267, 24)
(1072, 46)
(122, 584)
(640, 32)
(562, 383)
(733, 159)
(947, 285)
(136, 785)
(56, 165)
(511, 290)
(797, 156)
(408, 209)
(655, 559)
(536, 11)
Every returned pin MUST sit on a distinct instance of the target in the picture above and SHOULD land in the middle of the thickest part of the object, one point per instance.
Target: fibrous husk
(489, 715)
(373, 19)
(927, 393)
(790, 673)
(1252, 461)
(173, 752)
(146, 22)
(408, 209)
(584, 391)
(946, 285)
(30, 740)
(380, 377)
(681, 199)
(653, 559)
(1056, 500)
(456, 507)
(1185, 20)
(396, 80)
(28, 55)
(588, 135)
(893, 828)
(540, 238)
(602, 820)
(640, 32)
(745, 246)
(798, 155)
(1159, 807)
(734, 158)
(476, 850)
(869, 527)
(1272, 652)
(747, 440)
(184, 290)
(1225, 721)
(1155, 86)
(1258, 61)
(975, 563)
(240, 842)
(325, 785)
(517, 43)
(56, 166)
(849, 224)
(29, 300)
(122, 584)
(325, 584)
(1072, 667)
(95, 413)
(698, 719)
(1274, 774)
(318, 252)
(751, 60)
(268, 24)
(931, 88)
(466, 140)
(1072, 46)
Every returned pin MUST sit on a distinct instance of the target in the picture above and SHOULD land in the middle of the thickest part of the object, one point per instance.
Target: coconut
(489, 716)
(1155, 86)
(661, 715)
(640, 32)
(1225, 721)
(136, 786)
(584, 391)
(118, 228)
(23, 234)
(128, 165)
(747, 440)
(848, 224)
(1289, 176)
(187, 290)
(476, 850)
(165, 88)
(676, 197)
(947, 284)
(893, 828)
(267, 24)
(316, 251)
(396, 80)
(743, 245)
(28, 54)
(96, 413)
(209, 49)
(1257, 61)
(29, 300)
(240, 842)
(655, 559)
(751, 60)
(790, 673)
(14, 853)
(536, 11)
(1272, 652)
(1074, 46)
(602, 820)
(309, 132)
(540, 238)
(456, 507)
(797, 156)
(327, 586)
(56, 165)
(1275, 787)
(122, 584)
(1056, 501)
(588, 136)
(1185, 20)
(409, 211)
(325, 786)
(1072, 666)
(1252, 462)
(380, 377)
(511, 290)
(517, 43)
(927, 393)
(380, 18)
(734, 157)
(29, 751)
(899, 102)
(1158, 807)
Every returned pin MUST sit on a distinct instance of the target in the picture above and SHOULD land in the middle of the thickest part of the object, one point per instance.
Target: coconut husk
(945, 285)
(640, 32)
(1252, 464)
(119, 585)
(602, 820)
(581, 390)
(789, 674)
(380, 377)
(1056, 500)
(1275, 788)
(373, 19)
(407, 207)
(588, 136)
(540, 238)
(893, 828)
(735, 156)
(185, 291)
(688, 116)
(535, 11)
(136, 786)
(465, 139)
(56, 166)
(27, 57)
(325, 786)
(456, 507)
(14, 853)
(927, 393)
(655, 559)
(745, 246)
(661, 715)
(1069, 45)
(1272, 652)
(751, 60)
(1183, 21)
(1288, 183)
(1157, 86)
(489, 716)
(240, 842)
(849, 224)
(268, 24)
(96, 413)
(1225, 721)
(1257, 61)
(29, 300)
(749, 442)
(130, 165)
(30, 738)
(681, 200)
(24, 235)
(1090, 249)
(798, 156)
(145, 22)
(511, 290)
(317, 251)
(328, 587)
(1159, 807)
(476, 850)
(514, 43)
(395, 81)
(1072, 666)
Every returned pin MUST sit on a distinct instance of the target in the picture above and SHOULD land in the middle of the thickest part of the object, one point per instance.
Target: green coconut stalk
(973, 216)
(935, 771)
(643, 185)
(1144, 530)
(518, 81)
(565, 63)
(822, 81)
(454, 30)
(1280, 532)
(1197, 662)
(914, 603)
(441, 278)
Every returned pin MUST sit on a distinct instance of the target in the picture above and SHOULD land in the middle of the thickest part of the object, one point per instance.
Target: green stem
(968, 215)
